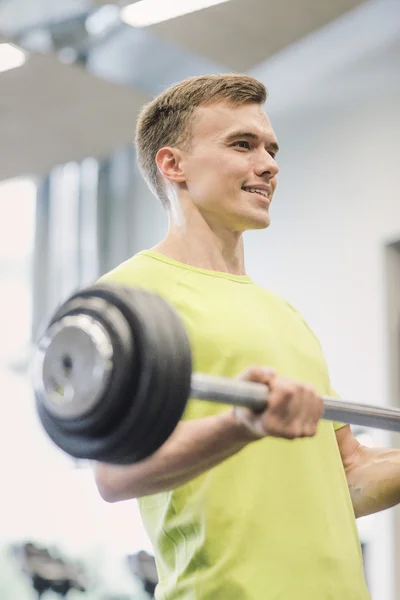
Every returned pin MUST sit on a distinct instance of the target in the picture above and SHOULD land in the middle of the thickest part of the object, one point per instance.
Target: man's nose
(266, 165)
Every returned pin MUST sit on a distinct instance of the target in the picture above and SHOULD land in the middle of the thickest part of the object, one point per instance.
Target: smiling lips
(262, 190)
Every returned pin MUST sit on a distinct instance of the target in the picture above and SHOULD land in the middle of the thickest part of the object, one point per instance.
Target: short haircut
(167, 120)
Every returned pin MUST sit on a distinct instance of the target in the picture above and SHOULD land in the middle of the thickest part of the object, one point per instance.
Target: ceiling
(242, 33)
(52, 112)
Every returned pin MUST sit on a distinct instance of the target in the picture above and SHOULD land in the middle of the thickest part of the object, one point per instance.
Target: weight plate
(133, 445)
(175, 348)
(149, 388)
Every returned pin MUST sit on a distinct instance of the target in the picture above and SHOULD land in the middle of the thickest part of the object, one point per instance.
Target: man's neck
(203, 249)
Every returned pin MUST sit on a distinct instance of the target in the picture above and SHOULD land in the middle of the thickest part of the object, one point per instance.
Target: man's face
(231, 155)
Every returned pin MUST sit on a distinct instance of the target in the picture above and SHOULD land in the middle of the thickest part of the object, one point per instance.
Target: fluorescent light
(11, 57)
(149, 12)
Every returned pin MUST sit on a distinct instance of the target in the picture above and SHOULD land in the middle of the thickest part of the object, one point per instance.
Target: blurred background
(73, 75)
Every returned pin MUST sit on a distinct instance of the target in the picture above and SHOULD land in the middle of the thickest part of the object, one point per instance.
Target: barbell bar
(252, 395)
(112, 375)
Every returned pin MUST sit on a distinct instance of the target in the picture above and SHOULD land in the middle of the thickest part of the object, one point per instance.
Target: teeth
(256, 191)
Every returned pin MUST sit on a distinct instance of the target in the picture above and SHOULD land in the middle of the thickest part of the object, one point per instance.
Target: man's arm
(373, 474)
(196, 446)
(193, 448)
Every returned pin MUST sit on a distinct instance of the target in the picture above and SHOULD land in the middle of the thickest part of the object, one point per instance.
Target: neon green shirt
(275, 521)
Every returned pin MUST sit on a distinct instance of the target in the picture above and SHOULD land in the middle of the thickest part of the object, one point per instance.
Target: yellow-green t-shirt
(275, 521)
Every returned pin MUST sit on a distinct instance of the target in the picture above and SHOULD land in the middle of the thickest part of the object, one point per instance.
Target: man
(240, 506)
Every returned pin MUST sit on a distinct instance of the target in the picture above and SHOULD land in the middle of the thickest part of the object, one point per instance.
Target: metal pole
(255, 396)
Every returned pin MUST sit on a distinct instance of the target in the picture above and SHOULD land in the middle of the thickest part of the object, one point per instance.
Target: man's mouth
(253, 190)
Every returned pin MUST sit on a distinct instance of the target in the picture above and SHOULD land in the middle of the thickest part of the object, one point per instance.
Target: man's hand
(294, 408)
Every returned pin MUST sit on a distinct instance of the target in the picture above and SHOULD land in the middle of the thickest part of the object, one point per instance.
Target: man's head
(209, 137)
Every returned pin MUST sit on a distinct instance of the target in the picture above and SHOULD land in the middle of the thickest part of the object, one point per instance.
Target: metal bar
(367, 415)
(255, 396)
(229, 391)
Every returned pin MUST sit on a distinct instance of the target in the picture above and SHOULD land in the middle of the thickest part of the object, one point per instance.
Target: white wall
(337, 204)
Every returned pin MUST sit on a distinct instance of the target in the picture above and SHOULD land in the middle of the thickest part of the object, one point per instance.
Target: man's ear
(169, 163)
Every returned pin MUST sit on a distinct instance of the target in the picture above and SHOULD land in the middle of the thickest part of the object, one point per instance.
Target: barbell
(112, 374)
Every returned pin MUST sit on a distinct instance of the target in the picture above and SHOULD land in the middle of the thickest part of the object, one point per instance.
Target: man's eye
(242, 144)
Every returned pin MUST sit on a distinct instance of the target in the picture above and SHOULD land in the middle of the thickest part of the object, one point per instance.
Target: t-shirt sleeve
(336, 425)
(332, 392)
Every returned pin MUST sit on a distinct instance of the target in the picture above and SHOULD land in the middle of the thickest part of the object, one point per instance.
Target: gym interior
(73, 76)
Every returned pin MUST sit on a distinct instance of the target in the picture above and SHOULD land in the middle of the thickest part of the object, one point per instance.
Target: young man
(238, 506)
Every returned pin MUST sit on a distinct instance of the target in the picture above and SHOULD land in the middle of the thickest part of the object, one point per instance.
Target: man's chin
(249, 220)
(264, 225)
(253, 226)
(258, 222)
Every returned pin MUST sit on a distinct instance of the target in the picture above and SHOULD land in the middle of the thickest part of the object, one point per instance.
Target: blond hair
(167, 120)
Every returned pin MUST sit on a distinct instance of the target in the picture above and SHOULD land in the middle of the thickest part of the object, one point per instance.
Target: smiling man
(240, 506)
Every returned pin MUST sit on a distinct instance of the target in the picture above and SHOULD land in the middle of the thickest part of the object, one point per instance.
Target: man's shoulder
(129, 272)
(143, 270)
(273, 297)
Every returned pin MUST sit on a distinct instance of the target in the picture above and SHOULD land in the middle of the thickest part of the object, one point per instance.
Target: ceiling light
(11, 57)
(149, 12)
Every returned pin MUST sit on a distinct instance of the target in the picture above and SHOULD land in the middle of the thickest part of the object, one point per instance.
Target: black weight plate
(141, 410)
(156, 330)
(131, 446)
(176, 350)
(154, 438)
(166, 324)
(128, 441)
(124, 444)
(80, 437)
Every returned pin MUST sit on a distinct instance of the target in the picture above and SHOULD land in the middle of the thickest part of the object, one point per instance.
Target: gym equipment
(143, 566)
(112, 375)
(47, 572)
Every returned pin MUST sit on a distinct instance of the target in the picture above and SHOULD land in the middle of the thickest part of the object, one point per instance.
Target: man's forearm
(374, 480)
(193, 448)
